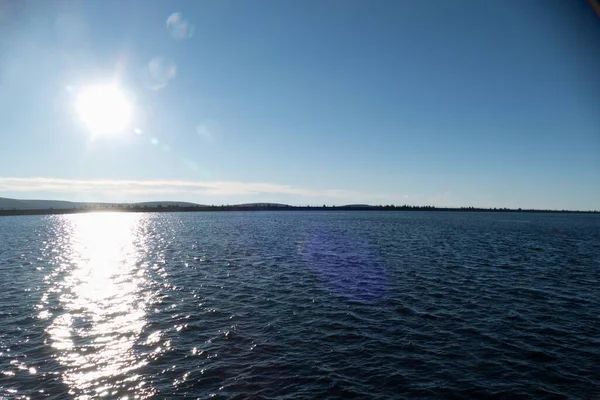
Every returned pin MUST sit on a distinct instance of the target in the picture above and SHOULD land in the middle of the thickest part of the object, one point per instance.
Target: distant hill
(12, 203)
(274, 205)
(9, 204)
(16, 204)
(165, 204)
(40, 207)
(357, 206)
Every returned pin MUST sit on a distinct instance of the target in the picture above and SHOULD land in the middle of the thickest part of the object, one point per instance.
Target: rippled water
(300, 305)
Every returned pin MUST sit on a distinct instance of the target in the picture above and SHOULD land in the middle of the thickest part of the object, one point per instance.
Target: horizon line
(175, 204)
(239, 192)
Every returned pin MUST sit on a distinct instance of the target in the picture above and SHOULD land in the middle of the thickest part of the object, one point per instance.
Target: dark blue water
(300, 305)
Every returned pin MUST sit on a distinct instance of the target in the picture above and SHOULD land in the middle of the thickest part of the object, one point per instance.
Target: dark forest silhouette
(266, 207)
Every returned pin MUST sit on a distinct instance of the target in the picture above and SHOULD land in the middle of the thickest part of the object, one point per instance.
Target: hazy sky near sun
(306, 102)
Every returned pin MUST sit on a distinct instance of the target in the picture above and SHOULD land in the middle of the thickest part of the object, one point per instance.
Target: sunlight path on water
(99, 290)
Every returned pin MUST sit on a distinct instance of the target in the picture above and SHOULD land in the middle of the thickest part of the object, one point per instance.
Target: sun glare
(104, 109)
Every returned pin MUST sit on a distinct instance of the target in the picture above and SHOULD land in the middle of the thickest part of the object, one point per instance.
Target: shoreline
(162, 209)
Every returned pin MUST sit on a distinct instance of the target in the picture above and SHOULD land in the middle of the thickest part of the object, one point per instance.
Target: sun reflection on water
(101, 306)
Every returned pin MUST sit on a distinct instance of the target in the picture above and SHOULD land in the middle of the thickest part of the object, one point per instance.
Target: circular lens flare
(104, 109)
(160, 71)
(179, 28)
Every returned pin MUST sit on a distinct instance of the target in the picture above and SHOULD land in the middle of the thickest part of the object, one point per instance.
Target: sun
(104, 109)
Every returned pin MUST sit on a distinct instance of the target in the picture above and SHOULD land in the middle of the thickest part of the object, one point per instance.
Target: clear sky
(449, 103)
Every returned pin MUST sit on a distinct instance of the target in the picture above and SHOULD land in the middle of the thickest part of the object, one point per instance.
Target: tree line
(265, 207)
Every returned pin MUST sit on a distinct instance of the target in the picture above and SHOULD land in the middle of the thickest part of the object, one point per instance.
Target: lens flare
(160, 71)
(178, 27)
(347, 264)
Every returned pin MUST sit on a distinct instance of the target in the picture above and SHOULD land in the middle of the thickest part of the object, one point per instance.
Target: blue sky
(409, 102)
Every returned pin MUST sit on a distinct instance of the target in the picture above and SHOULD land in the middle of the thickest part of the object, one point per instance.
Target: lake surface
(300, 305)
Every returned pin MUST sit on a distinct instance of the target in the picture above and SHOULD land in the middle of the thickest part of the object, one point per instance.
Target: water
(300, 305)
